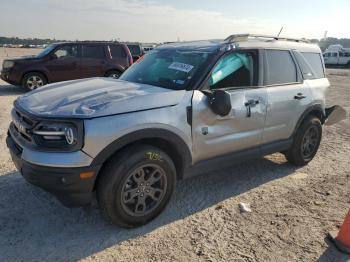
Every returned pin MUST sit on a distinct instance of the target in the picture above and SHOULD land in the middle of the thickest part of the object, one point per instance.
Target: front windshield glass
(47, 50)
(168, 68)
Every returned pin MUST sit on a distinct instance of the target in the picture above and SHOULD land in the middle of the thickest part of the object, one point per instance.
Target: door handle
(250, 103)
(299, 96)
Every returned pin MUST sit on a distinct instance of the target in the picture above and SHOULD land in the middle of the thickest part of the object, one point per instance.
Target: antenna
(280, 32)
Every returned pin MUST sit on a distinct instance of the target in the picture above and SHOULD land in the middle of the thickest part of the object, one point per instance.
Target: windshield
(47, 50)
(169, 68)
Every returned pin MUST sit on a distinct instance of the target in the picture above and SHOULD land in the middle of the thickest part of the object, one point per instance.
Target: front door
(242, 128)
(64, 63)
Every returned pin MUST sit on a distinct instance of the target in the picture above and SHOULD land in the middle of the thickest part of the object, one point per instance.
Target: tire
(129, 197)
(305, 142)
(32, 81)
(113, 74)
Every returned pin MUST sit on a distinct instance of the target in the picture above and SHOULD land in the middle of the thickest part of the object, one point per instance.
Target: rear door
(288, 96)
(242, 128)
(64, 63)
(118, 56)
(93, 60)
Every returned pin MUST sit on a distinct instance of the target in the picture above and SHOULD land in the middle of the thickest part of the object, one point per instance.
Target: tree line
(323, 43)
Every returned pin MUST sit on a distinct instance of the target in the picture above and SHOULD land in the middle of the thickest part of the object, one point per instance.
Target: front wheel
(306, 142)
(34, 80)
(135, 186)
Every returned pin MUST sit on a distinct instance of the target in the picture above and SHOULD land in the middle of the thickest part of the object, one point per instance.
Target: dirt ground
(292, 208)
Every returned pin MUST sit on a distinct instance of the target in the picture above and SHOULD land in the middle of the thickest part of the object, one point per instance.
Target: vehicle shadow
(10, 90)
(34, 226)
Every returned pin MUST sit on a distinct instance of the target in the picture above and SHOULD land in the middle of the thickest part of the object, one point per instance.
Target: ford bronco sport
(183, 109)
(67, 61)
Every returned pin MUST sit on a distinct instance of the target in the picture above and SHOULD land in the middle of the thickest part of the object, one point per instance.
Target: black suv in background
(67, 61)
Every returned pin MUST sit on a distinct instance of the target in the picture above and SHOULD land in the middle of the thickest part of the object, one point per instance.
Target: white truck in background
(337, 55)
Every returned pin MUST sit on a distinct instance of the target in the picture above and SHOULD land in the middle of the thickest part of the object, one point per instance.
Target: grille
(22, 125)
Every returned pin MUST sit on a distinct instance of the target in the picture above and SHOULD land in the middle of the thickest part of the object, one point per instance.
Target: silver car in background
(180, 110)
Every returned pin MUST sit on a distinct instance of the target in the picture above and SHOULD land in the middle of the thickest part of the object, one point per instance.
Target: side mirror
(219, 101)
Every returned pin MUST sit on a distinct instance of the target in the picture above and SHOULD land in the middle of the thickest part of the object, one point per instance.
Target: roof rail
(244, 37)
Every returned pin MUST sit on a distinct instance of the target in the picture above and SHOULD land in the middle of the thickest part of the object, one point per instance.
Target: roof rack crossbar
(244, 37)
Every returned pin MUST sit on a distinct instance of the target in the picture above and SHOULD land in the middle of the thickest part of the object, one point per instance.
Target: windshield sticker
(181, 67)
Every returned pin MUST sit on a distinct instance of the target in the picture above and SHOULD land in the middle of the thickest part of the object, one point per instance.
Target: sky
(170, 20)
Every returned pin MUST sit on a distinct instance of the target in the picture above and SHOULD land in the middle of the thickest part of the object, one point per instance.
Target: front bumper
(63, 182)
(8, 76)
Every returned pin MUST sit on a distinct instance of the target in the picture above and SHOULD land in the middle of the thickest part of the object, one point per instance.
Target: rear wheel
(135, 186)
(306, 142)
(34, 80)
(113, 74)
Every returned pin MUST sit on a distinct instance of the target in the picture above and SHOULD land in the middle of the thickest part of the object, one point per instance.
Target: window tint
(93, 51)
(281, 67)
(117, 51)
(68, 51)
(233, 70)
(315, 61)
(347, 54)
(334, 54)
(341, 54)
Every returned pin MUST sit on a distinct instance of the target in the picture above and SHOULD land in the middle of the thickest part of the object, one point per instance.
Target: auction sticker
(181, 67)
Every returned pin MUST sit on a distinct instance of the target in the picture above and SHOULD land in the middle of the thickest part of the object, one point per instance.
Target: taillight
(131, 61)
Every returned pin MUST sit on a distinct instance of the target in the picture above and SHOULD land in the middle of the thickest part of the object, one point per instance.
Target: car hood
(96, 97)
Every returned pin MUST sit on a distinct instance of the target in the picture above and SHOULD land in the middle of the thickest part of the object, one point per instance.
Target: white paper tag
(181, 67)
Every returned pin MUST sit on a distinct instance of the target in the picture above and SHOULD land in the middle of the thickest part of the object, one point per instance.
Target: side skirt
(231, 159)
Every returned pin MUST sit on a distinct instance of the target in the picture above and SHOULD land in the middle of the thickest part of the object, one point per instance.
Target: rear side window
(281, 67)
(315, 61)
(93, 51)
(117, 51)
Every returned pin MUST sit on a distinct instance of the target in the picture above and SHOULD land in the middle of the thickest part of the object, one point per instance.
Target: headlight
(61, 136)
(8, 64)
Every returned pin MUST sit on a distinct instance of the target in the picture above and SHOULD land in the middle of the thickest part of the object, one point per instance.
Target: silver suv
(182, 109)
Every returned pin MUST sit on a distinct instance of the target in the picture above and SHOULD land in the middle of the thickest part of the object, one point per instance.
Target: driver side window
(233, 70)
(66, 51)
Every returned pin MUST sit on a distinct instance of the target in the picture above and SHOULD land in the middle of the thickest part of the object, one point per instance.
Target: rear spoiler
(334, 115)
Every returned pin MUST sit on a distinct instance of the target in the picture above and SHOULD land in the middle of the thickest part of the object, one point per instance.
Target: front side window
(281, 67)
(68, 51)
(93, 51)
(233, 70)
(334, 54)
(168, 68)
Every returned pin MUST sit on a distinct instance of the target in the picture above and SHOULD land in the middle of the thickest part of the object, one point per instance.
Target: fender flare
(313, 108)
(177, 143)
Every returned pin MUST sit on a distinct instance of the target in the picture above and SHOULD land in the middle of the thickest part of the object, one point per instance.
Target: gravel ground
(292, 208)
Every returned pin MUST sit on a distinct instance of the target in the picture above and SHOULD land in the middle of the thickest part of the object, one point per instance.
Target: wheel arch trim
(176, 142)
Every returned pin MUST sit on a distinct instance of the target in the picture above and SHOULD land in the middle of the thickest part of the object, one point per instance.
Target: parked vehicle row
(184, 109)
